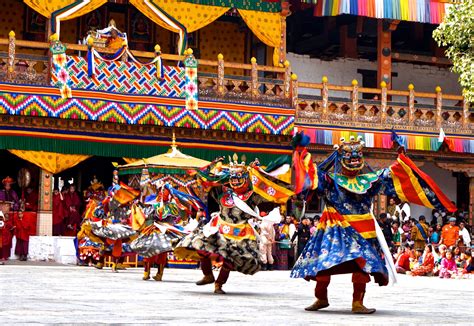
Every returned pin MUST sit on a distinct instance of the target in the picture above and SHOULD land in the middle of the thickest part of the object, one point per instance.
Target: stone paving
(44, 293)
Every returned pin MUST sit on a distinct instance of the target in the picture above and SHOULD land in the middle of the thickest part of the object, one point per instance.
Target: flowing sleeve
(403, 179)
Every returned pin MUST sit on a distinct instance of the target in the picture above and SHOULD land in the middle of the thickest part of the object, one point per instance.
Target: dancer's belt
(234, 231)
(362, 223)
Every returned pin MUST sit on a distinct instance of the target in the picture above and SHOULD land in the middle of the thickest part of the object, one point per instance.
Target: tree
(456, 32)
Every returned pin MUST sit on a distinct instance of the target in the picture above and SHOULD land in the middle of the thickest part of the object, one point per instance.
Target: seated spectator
(457, 256)
(427, 266)
(468, 263)
(439, 254)
(448, 266)
(402, 264)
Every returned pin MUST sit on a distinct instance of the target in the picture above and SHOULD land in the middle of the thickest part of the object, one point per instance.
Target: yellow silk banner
(49, 161)
(46, 8)
(191, 16)
(267, 27)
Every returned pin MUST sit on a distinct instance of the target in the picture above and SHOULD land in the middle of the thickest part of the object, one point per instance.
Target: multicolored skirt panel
(337, 248)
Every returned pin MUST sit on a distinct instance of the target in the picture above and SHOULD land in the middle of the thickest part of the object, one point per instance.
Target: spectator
(31, 200)
(469, 264)
(406, 228)
(402, 264)
(397, 236)
(72, 203)
(267, 236)
(303, 234)
(315, 225)
(419, 233)
(427, 266)
(450, 233)
(464, 235)
(417, 259)
(457, 256)
(286, 251)
(386, 229)
(448, 266)
(58, 212)
(436, 234)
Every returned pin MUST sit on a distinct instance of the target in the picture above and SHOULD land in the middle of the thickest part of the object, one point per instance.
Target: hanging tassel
(158, 62)
(90, 57)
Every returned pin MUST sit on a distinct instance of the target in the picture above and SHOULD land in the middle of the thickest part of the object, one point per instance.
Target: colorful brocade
(334, 243)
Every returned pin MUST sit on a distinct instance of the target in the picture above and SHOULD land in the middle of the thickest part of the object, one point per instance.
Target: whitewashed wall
(343, 71)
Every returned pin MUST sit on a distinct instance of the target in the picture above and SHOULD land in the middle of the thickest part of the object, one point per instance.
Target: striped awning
(422, 11)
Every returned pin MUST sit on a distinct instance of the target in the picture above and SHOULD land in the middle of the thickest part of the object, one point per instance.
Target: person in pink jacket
(448, 266)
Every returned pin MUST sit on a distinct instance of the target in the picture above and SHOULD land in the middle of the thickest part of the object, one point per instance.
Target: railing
(335, 104)
(265, 84)
(346, 105)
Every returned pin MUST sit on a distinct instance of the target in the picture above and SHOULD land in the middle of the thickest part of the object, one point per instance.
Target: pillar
(471, 200)
(384, 51)
(285, 11)
(44, 222)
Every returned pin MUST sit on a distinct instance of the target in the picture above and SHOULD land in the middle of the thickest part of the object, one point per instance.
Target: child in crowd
(426, 268)
(468, 264)
(448, 266)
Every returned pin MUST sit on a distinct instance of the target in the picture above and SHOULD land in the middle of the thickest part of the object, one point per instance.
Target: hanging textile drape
(267, 27)
(129, 160)
(49, 161)
(59, 10)
(423, 11)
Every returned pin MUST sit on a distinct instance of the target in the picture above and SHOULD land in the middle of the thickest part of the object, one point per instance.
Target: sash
(422, 231)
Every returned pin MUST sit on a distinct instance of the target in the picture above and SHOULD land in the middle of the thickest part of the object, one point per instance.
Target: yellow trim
(249, 234)
(398, 187)
(282, 192)
(368, 235)
(355, 217)
(421, 194)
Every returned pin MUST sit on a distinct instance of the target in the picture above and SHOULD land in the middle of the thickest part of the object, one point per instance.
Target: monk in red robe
(59, 213)
(31, 200)
(72, 203)
(6, 237)
(22, 234)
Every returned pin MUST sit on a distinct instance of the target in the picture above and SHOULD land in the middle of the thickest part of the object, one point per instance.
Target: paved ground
(44, 293)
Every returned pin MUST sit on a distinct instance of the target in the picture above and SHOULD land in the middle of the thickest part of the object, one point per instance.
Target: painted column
(384, 51)
(44, 222)
(471, 200)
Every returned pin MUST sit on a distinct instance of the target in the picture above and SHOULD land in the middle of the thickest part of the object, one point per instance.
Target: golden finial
(438, 89)
(324, 79)
(173, 141)
(411, 87)
(253, 60)
(220, 56)
(11, 34)
(354, 82)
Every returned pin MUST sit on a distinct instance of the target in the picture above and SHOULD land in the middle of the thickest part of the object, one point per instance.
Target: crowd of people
(15, 219)
(282, 243)
(440, 248)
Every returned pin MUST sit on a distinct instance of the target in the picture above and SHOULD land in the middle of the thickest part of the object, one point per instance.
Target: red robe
(31, 201)
(72, 204)
(59, 211)
(6, 239)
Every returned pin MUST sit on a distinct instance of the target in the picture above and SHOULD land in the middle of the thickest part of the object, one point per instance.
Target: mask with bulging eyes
(352, 158)
(238, 178)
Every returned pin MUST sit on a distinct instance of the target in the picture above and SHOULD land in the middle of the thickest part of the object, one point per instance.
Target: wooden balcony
(383, 108)
(27, 62)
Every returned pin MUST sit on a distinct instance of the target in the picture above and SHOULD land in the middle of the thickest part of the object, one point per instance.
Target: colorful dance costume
(347, 239)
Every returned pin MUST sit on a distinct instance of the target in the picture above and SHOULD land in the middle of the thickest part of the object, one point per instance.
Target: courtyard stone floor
(51, 293)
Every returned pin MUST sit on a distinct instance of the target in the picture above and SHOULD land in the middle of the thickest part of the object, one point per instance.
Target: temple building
(87, 83)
